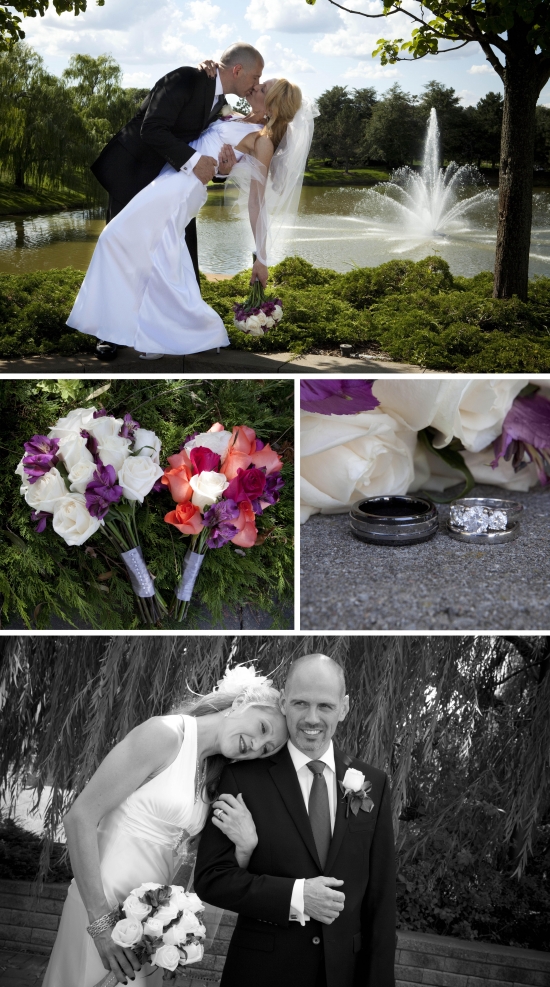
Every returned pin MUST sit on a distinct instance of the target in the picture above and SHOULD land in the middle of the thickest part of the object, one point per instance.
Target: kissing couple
(283, 842)
(142, 285)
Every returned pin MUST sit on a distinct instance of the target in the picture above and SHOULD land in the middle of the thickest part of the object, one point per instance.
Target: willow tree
(461, 725)
(514, 36)
(11, 30)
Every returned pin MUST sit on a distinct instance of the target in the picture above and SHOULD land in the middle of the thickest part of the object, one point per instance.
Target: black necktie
(319, 811)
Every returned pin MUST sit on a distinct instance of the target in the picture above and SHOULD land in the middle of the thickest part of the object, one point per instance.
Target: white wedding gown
(140, 289)
(136, 844)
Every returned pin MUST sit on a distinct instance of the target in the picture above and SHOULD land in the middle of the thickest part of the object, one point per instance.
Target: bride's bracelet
(103, 923)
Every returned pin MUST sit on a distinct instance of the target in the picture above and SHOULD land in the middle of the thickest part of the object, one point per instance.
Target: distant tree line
(356, 127)
(51, 128)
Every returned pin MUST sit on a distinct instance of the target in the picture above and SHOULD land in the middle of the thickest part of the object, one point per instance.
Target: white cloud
(281, 60)
(480, 69)
(291, 16)
(141, 80)
(371, 70)
(467, 97)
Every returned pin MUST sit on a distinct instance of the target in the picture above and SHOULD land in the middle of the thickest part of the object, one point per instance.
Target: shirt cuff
(190, 164)
(297, 903)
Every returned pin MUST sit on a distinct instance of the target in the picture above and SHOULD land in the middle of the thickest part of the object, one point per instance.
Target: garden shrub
(416, 312)
(20, 855)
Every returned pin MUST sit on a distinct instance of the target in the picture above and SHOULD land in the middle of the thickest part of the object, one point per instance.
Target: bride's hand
(209, 67)
(234, 819)
(226, 159)
(259, 273)
(123, 962)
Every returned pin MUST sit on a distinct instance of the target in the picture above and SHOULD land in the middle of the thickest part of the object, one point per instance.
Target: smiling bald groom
(316, 904)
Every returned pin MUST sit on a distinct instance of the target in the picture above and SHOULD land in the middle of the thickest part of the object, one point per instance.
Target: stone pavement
(28, 969)
(440, 584)
(227, 361)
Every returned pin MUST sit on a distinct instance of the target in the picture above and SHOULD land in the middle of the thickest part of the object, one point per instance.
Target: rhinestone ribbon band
(191, 566)
(141, 581)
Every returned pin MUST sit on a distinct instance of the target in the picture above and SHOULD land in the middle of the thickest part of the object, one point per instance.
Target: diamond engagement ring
(484, 519)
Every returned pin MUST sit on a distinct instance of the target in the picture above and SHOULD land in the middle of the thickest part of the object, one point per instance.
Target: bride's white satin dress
(140, 289)
(136, 844)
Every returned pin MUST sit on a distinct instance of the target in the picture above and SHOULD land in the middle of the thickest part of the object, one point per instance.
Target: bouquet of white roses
(89, 473)
(160, 923)
(258, 313)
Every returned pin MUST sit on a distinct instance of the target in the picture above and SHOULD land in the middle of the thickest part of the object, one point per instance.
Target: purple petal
(529, 421)
(337, 397)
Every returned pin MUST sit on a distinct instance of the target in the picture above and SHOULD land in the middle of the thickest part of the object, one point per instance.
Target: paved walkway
(28, 969)
(227, 361)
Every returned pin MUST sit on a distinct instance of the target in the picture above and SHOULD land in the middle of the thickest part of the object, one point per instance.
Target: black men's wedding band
(394, 520)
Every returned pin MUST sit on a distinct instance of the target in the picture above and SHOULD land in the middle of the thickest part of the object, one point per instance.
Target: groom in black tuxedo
(178, 109)
(316, 904)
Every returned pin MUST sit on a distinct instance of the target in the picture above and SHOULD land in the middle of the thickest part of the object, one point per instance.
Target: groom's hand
(321, 901)
(205, 169)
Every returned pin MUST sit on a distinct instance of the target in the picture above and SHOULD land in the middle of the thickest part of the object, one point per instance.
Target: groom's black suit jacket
(177, 110)
(357, 950)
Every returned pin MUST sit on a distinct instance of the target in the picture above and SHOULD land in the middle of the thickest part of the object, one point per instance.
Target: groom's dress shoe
(106, 351)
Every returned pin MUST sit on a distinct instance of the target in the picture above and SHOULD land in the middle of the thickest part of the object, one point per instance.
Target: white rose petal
(72, 520)
(277, 313)
(105, 427)
(134, 908)
(353, 780)
(73, 450)
(186, 900)
(253, 325)
(167, 912)
(137, 476)
(188, 924)
(76, 420)
(432, 473)
(80, 475)
(146, 886)
(147, 444)
(195, 953)
(153, 927)
(207, 488)
(113, 451)
(346, 457)
(127, 932)
(47, 493)
(167, 957)
(216, 441)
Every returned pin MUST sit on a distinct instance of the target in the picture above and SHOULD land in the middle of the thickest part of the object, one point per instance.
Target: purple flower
(218, 518)
(41, 455)
(128, 428)
(526, 433)
(102, 491)
(221, 535)
(159, 486)
(102, 414)
(337, 397)
(274, 482)
(91, 444)
(42, 518)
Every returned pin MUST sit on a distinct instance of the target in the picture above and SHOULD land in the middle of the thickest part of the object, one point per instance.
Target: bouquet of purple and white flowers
(258, 313)
(89, 473)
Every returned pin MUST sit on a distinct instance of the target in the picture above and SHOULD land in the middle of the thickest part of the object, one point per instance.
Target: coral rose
(186, 518)
(177, 479)
(244, 450)
(245, 525)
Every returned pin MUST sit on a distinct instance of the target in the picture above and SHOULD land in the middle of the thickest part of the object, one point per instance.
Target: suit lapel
(209, 90)
(284, 775)
(342, 762)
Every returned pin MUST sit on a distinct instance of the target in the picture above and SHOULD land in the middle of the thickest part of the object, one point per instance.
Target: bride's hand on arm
(233, 818)
(209, 67)
(226, 159)
(147, 749)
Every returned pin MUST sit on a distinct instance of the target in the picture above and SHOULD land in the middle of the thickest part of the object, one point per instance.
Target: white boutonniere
(356, 791)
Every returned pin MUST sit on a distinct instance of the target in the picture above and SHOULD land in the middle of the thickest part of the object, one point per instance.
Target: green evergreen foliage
(416, 312)
(41, 577)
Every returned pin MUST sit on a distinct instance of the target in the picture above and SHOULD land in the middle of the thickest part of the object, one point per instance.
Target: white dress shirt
(305, 779)
(190, 164)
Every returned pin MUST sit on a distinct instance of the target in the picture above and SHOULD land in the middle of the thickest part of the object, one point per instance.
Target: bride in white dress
(151, 794)
(140, 289)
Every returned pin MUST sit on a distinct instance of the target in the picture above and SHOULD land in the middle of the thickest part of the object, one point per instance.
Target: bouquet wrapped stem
(191, 566)
(121, 530)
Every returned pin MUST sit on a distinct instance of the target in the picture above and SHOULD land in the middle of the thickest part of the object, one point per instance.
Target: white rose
(147, 444)
(277, 313)
(346, 457)
(19, 471)
(353, 780)
(113, 451)
(76, 420)
(80, 475)
(216, 441)
(188, 924)
(72, 520)
(167, 957)
(167, 912)
(262, 318)
(253, 325)
(146, 886)
(127, 932)
(472, 411)
(134, 908)
(432, 473)
(105, 427)
(269, 322)
(186, 900)
(47, 493)
(137, 477)
(72, 450)
(153, 927)
(194, 953)
(207, 488)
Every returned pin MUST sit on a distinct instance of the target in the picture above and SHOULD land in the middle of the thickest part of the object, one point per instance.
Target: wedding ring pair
(407, 520)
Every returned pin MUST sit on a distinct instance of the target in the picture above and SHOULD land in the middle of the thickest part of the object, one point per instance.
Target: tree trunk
(517, 150)
(20, 176)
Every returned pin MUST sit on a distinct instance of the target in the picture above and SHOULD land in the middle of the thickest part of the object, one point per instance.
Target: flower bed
(414, 312)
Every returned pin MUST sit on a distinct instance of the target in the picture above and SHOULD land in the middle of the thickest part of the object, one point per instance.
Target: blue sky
(317, 47)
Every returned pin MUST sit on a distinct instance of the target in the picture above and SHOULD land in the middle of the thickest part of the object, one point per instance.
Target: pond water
(336, 227)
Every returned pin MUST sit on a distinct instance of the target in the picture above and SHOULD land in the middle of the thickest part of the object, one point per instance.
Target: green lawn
(319, 174)
(31, 199)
